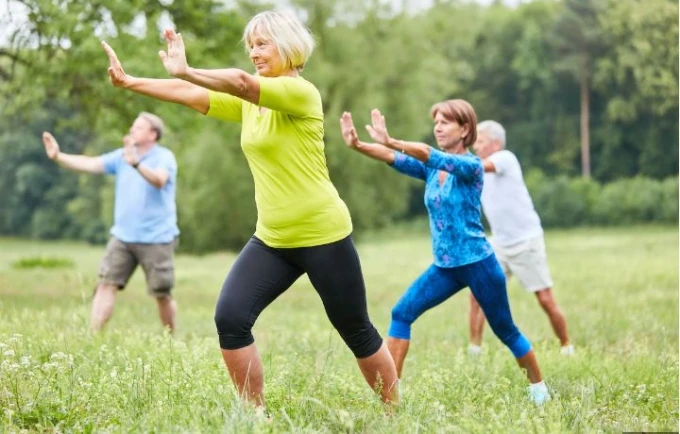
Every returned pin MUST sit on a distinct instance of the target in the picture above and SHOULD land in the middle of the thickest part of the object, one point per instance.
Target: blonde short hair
(155, 122)
(293, 40)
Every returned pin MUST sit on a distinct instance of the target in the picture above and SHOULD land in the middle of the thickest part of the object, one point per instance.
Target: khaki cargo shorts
(121, 259)
(528, 261)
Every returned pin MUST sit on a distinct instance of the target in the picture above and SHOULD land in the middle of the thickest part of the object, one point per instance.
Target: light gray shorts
(528, 261)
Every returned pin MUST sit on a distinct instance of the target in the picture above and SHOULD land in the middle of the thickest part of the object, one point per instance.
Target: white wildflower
(58, 356)
(49, 366)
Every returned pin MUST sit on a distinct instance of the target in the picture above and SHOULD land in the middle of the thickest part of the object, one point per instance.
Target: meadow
(618, 288)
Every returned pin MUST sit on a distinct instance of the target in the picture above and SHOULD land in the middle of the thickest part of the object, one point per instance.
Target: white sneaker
(262, 415)
(567, 350)
(474, 350)
(538, 393)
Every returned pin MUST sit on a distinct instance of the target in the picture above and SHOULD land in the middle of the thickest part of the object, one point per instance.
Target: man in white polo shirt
(517, 233)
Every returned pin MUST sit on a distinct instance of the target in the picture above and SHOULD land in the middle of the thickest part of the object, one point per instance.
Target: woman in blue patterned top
(462, 256)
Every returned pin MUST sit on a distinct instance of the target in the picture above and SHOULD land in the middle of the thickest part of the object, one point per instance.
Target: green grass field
(618, 288)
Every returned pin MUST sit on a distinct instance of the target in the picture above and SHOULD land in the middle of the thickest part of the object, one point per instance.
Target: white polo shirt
(507, 204)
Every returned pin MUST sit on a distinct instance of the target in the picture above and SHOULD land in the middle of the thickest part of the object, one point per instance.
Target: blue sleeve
(169, 163)
(409, 166)
(111, 161)
(468, 167)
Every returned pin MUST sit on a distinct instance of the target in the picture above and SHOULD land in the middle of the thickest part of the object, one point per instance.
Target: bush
(565, 202)
(636, 200)
(47, 224)
(42, 262)
(95, 232)
(561, 205)
(668, 209)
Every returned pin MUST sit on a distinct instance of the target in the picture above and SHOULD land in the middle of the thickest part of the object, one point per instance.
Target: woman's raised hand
(349, 133)
(117, 74)
(378, 129)
(175, 59)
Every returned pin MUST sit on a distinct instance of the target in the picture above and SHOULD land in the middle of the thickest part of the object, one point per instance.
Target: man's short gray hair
(493, 130)
(155, 122)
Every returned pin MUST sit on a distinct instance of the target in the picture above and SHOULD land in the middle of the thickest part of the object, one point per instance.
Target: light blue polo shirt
(143, 213)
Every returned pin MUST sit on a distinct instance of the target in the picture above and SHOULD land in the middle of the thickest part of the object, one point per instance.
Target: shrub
(568, 202)
(42, 262)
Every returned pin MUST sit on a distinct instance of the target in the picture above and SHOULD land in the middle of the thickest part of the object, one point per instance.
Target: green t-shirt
(297, 205)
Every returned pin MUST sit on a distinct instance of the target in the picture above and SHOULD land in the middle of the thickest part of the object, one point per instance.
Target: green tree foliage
(525, 66)
(640, 76)
(642, 63)
(34, 192)
(577, 38)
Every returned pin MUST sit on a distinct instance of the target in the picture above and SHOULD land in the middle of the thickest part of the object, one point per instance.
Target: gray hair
(493, 130)
(293, 40)
(155, 122)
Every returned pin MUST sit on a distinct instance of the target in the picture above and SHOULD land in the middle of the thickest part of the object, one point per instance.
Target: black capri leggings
(262, 273)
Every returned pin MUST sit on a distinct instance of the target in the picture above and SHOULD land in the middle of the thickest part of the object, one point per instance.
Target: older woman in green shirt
(303, 226)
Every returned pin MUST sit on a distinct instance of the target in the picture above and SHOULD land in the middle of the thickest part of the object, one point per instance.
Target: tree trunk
(585, 122)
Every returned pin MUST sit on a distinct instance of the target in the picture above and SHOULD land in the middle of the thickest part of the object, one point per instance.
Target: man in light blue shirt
(145, 229)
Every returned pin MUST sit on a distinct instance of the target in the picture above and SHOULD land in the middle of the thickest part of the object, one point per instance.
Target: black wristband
(136, 165)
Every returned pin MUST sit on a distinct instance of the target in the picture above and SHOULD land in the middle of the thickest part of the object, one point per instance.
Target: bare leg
(529, 363)
(398, 349)
(245, 369)
(477, 320)
(102, 305)
(167, 309)
(549, 305)
(381, 375)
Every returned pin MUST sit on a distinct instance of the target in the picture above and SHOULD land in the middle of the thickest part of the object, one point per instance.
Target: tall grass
(618, 288)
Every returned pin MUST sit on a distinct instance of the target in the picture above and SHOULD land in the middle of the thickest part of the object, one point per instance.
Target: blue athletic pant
(486, 281)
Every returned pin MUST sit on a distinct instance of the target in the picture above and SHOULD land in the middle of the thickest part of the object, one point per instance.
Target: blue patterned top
(454, 208)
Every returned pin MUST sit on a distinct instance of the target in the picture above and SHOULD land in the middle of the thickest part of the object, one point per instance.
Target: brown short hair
(155, 122)
(461, 112)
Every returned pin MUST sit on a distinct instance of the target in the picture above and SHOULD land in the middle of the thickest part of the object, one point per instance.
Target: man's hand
(130, 151)
(51, 146)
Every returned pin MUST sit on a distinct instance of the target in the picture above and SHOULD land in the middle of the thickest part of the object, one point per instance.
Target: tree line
(585, 88)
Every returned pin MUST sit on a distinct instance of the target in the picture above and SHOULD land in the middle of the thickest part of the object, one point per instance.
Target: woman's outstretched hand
(51, 146)
(351, 138)
(349, 133)
(117, 74)
(175, 59)
(378, 129)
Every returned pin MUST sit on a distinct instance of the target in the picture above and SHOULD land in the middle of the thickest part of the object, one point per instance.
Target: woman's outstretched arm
(171, 90)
